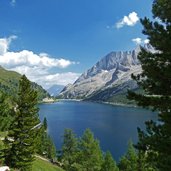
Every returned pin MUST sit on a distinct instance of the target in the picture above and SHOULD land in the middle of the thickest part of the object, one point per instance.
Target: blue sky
(54, 41)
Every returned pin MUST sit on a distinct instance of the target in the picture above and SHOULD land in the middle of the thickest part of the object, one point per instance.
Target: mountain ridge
(108, 77)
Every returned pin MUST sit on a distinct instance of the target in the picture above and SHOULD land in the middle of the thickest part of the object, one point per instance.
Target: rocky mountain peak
(121, 60)
(109, 77)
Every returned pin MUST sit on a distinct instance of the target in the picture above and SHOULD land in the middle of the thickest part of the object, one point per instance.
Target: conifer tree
(129, 161)
(5, 113)
(21, 139)
(109, 164)
(155, 79)
(69, 149)
(90, 157)
(45, 124)
(45, 145)
(51, 150)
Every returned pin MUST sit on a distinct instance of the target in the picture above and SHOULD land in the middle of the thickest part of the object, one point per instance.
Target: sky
(55, 41)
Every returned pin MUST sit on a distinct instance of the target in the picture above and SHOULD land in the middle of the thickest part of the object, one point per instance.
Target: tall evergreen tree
(155, 79)
(21, 139)
(45, 124)
(129, 161)
(51, 150)
(90, 157)
(45, 145)
(69, 149)
(109, 164)
(5, 112)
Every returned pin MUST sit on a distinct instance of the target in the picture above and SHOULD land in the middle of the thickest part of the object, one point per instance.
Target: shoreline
(118, 104)
(102, 102)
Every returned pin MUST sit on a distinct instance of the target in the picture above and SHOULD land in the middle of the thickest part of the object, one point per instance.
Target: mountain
(108, 78)
(9, 81)
(55, 90)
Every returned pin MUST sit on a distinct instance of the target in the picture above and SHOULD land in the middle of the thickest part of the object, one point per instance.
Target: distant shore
(49, 100)
(102, 102)
(77, 100)
(118, 104)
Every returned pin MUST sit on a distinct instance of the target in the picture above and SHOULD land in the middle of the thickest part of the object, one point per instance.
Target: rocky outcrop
(109, 76)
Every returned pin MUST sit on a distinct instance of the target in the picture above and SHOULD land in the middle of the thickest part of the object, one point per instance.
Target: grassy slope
(9, 83)
(41, 165)
(38, 164)
(8, 80)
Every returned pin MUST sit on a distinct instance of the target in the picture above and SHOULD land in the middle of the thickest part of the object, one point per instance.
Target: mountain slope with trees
(9, 81)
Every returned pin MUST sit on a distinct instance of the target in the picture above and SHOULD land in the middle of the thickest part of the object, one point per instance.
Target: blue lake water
(114, 126)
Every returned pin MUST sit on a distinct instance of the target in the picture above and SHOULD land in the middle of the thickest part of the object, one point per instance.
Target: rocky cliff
(108, 77)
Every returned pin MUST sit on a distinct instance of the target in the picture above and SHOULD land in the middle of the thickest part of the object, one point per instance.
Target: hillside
(42, 165)
(9, 83)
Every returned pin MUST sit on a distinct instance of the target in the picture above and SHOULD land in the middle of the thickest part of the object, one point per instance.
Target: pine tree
(51, 150)
(45, 124)
(155, 79)
(90, 157)
(129, 161)
(109, 164)
(45, 145)
(69, 149)
(5, 112)
(21, 140)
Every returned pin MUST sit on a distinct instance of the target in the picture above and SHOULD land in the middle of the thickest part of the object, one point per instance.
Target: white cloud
(29, 58)
(4, 44)
(146, 41)
(37, 67)
(139, 41)
(129, 20)
(58, 78)
(44, 78)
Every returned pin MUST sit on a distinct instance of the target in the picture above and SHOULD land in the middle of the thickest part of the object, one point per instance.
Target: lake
(114, 126)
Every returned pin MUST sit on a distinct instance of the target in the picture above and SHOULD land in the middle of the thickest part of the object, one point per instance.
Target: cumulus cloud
(43, 77)
(37, 67)
(129, 20)
(139, 41)
(29, 58)
(58, 78)
(4, 44)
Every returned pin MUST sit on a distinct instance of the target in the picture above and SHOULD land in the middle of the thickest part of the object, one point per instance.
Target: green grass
(41, 165)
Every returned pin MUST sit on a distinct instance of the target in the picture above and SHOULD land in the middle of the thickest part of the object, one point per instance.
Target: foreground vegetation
(42, 165)
(23, 135)
(155, 80)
